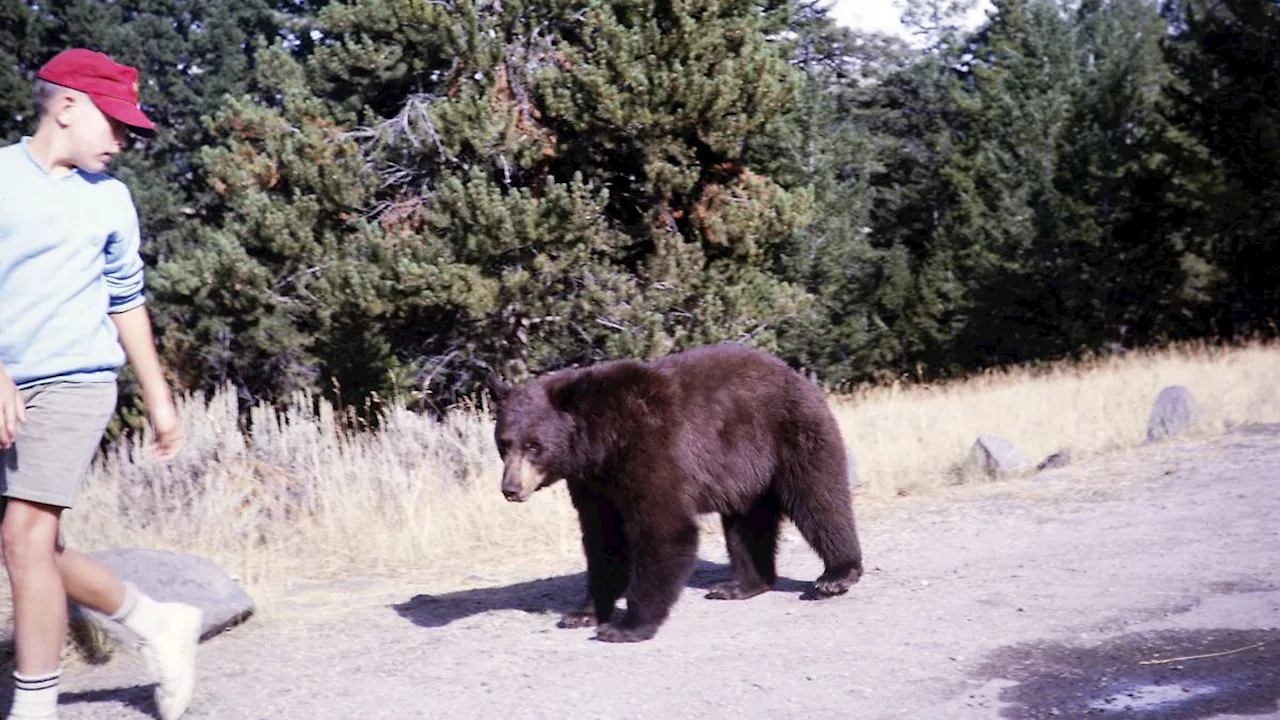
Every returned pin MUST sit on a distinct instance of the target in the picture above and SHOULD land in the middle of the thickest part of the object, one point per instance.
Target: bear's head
(539, 436)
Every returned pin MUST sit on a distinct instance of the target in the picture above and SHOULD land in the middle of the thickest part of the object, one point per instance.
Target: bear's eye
(532, 447)
(504, 446)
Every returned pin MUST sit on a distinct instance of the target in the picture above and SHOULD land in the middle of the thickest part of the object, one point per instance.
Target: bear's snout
(520, 478)
(511, 487)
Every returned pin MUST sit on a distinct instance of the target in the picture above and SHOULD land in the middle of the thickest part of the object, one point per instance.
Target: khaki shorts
(56, 445)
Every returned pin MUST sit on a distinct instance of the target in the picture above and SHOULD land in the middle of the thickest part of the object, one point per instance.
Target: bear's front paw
(615, 634)
(734, 590)
(832, 584)
(578, 619)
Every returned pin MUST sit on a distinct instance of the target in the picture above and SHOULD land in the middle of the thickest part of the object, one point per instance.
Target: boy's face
(93, 139)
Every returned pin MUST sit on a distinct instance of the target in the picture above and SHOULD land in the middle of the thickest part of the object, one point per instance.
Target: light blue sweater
(68, 258)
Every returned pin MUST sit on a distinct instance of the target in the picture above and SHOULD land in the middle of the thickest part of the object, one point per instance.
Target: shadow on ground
(545, 596)
(139, 697)
(1142, 676)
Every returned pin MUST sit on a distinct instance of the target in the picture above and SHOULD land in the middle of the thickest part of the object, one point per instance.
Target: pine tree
(995, 234)
(1225, 94)
(578, 157)
(656, 100)
(918, 304)
(18, 41)
(830, 140)
(1122, 273)
(428, 192)
(285, 286)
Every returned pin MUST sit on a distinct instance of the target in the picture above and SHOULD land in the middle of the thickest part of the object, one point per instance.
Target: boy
(71, 313)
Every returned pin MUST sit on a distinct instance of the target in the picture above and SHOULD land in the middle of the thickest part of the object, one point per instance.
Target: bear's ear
(496, 387)
(567, 395)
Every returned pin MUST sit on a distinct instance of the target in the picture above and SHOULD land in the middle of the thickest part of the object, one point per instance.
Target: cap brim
(126, 113)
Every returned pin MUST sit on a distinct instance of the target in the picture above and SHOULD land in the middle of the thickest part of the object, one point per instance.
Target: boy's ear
(59, 107)
(496, 387)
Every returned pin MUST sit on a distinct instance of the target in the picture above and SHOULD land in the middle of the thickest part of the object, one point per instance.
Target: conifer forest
(377, 199)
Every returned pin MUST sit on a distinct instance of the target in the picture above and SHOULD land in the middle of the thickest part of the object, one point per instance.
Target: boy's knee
(29, 532)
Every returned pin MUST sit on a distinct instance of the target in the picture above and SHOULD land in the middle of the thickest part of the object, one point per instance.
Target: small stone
(1175, 412)
(997, 456)
(1062, 458)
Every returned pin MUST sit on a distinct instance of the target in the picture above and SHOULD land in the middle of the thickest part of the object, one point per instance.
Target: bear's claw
(578, 619)
(615, 634)
(827, 586)
(734, 590)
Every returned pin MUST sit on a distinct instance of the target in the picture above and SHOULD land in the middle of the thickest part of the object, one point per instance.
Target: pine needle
(1200, 657)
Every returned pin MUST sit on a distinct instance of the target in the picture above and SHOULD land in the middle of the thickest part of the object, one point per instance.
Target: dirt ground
(1094, 590)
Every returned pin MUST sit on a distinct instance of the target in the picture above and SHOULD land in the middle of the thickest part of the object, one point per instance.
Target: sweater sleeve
(124, 268)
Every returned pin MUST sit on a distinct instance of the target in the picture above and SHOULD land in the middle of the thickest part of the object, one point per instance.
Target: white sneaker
(171, 657)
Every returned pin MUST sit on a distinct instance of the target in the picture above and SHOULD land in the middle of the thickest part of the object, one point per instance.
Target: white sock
(139, 612)
(35, 696)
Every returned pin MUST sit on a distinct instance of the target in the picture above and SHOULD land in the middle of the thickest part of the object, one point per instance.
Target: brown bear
(647, 447)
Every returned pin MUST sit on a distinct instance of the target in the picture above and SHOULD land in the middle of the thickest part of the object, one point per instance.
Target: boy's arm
(12, 410)
(124, 276)
(140, 347)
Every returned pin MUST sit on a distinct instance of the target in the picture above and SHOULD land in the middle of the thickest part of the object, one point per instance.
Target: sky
(883, 14)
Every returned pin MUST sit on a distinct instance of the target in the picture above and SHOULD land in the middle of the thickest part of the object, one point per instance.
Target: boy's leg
(88, 583)
(40, 475)
(29, 533)
(170, 632)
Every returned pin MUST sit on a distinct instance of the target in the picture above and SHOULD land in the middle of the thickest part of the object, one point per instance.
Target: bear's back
(734, 415)
(728, 369)
(738, 394)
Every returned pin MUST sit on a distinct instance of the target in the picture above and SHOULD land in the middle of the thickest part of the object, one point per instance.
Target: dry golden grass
(299, 499)
(912, 438)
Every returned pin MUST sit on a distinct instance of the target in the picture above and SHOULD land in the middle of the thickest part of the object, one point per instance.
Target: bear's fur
(646, 447)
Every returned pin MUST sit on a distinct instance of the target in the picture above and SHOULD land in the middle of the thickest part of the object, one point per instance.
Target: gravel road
(1090, 591)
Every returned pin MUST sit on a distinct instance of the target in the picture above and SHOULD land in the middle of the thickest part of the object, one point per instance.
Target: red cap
(112, 86)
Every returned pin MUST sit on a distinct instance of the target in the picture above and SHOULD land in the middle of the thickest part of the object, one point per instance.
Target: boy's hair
(43, 93)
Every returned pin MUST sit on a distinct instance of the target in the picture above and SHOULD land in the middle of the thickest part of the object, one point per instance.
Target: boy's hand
(167, 427)
(140, 347)
(12, 410)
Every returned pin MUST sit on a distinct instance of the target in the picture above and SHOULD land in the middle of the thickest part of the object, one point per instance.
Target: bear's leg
(752, 539)
(821, 507)
(608, 566)
(663, 554)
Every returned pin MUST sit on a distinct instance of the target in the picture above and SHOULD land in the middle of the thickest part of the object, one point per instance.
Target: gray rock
(1175, 411)
(997, 456)
(171, 577)
(1062, 458)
